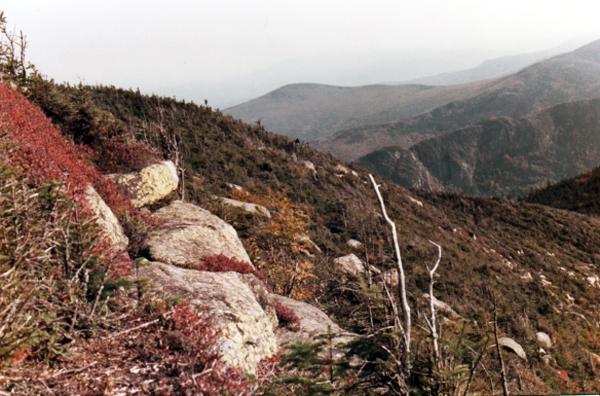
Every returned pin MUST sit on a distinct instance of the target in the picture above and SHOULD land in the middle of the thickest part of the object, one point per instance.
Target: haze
(228, 51)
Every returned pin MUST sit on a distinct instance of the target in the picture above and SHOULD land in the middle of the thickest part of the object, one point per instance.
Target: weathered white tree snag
(434, 333)
(402, 284)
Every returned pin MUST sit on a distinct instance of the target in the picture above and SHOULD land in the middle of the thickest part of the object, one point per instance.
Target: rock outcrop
(189, 233)
(149, 185)
(313, 323)
(107, 221)
(238, 304)
(353, 243)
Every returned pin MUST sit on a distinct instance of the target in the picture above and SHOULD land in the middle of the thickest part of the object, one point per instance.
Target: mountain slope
(506, 155)
(578, 194)
(564, 78)
(537, 260)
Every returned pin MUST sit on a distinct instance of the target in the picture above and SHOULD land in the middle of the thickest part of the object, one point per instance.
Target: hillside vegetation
(578, 194)
(509, 247)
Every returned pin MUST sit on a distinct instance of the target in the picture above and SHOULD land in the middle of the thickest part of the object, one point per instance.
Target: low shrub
(222, 263)
(286, 316)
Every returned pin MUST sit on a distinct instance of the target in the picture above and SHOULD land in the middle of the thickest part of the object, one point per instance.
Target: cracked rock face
(238, 304)
(188, 233)
(149, 185)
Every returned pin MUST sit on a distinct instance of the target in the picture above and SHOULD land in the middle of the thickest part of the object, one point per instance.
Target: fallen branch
(62, 372)
(138, 327)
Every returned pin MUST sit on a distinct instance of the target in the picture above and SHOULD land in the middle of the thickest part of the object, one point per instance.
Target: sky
(148, 43)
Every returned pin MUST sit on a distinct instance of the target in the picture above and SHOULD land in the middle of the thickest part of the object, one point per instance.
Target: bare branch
(434, 333)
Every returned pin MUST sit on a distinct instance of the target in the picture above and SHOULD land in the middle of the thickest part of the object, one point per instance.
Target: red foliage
(45, 154)
(117, 156)
(222, 263)
(203, 372)
(287, 317)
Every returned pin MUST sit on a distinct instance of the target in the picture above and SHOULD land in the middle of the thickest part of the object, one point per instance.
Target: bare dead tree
(12, 52)
(432, 325)
(402, 281)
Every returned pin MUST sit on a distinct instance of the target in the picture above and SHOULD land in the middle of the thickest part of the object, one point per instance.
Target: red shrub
(222, 263)
(45, 154)
(287, 317)
(117, 156)
(203, 372)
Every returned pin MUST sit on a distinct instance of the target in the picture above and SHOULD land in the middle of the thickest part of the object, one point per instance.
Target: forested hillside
(503, 156)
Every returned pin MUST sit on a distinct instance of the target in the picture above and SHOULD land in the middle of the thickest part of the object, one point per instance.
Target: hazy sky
(156, 43)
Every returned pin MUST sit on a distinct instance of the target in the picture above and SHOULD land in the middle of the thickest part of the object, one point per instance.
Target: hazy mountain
(564, 78)
(311, 111)
(499, 67)
(355, 68)
(500, 156)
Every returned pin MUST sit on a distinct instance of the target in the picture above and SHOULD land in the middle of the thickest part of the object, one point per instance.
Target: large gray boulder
(238, 304)
(106, 219)
(313, 323)
(188, 233)
(149, 185)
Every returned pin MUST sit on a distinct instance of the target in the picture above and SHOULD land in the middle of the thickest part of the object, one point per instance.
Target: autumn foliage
(286, 316)
(280, 247)
(222, 263)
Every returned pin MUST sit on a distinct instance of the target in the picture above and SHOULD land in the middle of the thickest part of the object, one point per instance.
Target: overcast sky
(151, 43)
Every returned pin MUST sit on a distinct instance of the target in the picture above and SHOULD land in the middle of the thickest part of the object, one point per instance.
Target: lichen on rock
(149, 185)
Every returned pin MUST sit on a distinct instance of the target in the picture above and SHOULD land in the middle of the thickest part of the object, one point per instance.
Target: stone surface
(238, 304)
(248, 207)
(313, 322)
(350, 264)
(391, 277)
(513, 345)
(188, 233)
(149, 185)
(310, 166)
(353, 243)
(341, 168)
(311, 244)
(106, 219)
(543, 339)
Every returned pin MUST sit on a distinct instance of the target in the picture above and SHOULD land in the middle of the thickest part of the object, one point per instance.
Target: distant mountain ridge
(311, 111)
(564, 78)
(499, 156)
(493, 68)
